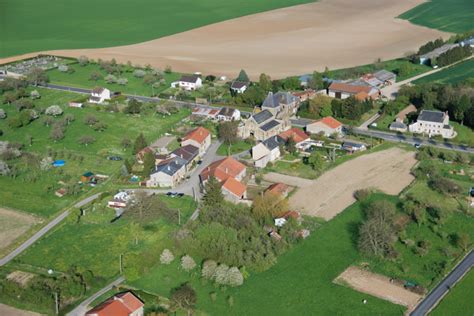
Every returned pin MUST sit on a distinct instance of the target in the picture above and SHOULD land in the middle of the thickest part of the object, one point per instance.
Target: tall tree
(316, 161)
(37, 76)
(140, 143)
(243, 76)
(265, 83)
(213, 196)
(316, 82)
(228, 133)
(148, 164)
(268, 205)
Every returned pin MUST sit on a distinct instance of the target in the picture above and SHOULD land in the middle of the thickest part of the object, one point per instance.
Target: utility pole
(179, 217)
(56, 302)
(120, 263)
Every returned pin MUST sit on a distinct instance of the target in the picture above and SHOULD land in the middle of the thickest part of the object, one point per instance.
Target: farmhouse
(199, 137)
(433, 123)
(380, 78)
(239, 86)
(99, 95)
(296, 134)
(280, 102)
(229, 172)
(123, 304)
(343, 90)
(327, 126)
(168, 173)
(228, 114)
(267, 151)
(188, 82)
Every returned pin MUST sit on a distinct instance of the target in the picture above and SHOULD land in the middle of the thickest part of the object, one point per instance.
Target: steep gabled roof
(330, 122)
(189, 78)
(225, 111)
(170, 166)
(188, 152)
(199, 135)
(275, 100)
(295, 133)
(122, 304)
(277, 188)
(234, 186)
(223, 169)
(349, 88)
(262, 116)
(268, 126)
(432, 116)
(239, 84)
(273, 142)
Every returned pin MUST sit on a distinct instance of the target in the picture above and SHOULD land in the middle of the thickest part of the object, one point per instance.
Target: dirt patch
(11, 311)
(286, 179)
(20, 277)
(377, 285)
(332, 192)
(283, 42)
(12, 225)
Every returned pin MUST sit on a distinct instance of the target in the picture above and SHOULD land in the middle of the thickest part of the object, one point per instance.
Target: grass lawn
(35, 196)
(92, 24)
(390, 65)
(457, 301)
(95, 244)
(240, 146)
(454, 74)
(447, 15)
(299, 284)
(80, 79)
(465, 134)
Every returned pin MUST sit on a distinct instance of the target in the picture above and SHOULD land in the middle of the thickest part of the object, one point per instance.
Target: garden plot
(13, 224)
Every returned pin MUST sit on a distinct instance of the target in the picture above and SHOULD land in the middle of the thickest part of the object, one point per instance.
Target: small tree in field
(54, 110)
(166, 257)
(183, 297)
(83, 60)
(208, 269)
(188, 263)
(86, 140)
(221, 274)
(235, 277)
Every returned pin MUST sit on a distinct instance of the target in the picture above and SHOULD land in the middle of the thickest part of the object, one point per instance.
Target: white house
(353, 147)
(168, 173)
(188, 82)
(267, 151)
(228, 114)
(99, 95)
(433, 123)
(239, 86)
(327, 125)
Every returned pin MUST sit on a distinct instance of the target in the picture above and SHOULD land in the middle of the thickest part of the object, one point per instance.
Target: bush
(208, 269)
(362, 194)
(445, 186)
(35, 94)
(54, 110)
(63, 68)
(235, 277)
(110, 79)
(122, 81)
(15, 122)
(139, 73)
(166, 257)
(188, 263)
(3, 114)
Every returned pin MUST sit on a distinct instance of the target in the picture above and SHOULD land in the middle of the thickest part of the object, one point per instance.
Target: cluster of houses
(224, 114)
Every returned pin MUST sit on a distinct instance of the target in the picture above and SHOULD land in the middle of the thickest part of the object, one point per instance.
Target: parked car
(180, 194)
(172, 194)
(114, 158)
(417, 146)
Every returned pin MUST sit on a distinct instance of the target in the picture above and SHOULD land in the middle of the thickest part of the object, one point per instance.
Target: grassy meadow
(93, 24)
(456, 302)
(453, 74)
(455, 16)
(37, 196)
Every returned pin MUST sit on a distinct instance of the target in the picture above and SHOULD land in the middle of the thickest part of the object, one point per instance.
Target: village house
(398, 126)
(168, 173)
(228, 114)
(327, 126)
(208, 113)
(198, 137)
(239, 86)
(188, 82)
(280, 102)
(267, 151)
(380, 78)
(433, 123)
(305, 95)
(296, 134)
(353, 147)
(123, 304)
(99, 95)
(344, 90)
(278, 189)
(223, 170)
(188, 153)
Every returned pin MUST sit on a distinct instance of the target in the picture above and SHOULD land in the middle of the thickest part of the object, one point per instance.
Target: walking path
(82, 308)
(433, 298)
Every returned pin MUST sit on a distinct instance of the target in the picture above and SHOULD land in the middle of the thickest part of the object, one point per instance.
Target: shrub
(63, 68)
(209, 269)
(221, 274)
(362, 194)
(166, 257)
(445, 186)
(139, 73)
(35, 94)
(235, 277)
(122, 81)
(15, 122)
(110, 79)
(83, 60)
(3, 114)
(188, 263)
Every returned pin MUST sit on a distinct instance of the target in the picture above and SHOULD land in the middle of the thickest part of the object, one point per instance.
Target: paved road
(372, 119)
(82, 308)
(412, 140)
(138, 97)
(443, 288)
(43, 231)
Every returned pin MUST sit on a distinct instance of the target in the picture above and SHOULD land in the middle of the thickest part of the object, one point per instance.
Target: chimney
(226, 170)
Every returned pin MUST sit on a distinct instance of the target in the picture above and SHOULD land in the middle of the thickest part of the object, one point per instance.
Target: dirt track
(288, 41)
(11, 311)
(332, 192)
(377, 285)
(12, 225)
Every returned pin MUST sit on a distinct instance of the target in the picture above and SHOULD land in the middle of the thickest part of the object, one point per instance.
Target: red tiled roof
(349, 88)
(292, 214)
(120, 305)
(331, 122)
(223, 169)
(199, 135)
(278, 188)
(234, 186)
(297, 135)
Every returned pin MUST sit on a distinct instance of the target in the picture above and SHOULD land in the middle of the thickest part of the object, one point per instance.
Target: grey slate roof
(238, 84)
(273, 142)
(189, 78)
(225, 111)
(397, 124)
(431, 116)
(188, 152)
(274, 100)
(384, 75)
(171, 167)
(268, 126)
(262, 116)
(352, 144)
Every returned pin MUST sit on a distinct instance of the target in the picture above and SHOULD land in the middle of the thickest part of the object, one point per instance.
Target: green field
(35, 198)
(55, 24)
(236, 148)
(299, 284)
(455, 16)
(454, 74)
(457, 301)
